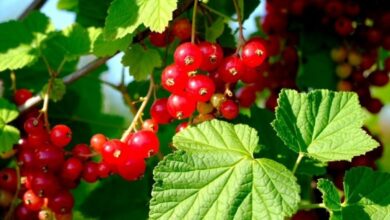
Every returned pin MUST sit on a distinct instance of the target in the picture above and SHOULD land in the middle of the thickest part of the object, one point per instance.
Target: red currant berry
(21, 96)
(97, 142)
(90, 173)
(26, 158)
(23, 213)
(212, 56)
(8, 179)
(62, 202)
(60, 135)
(144, 143)
(33, 126)
(181, 106)
(250, 75)
(231, 69)
(161, 39)
(112, 150)
(200, 87)
(253, 53)
(188, 56)
(81, 151)
(181, 126)
(103, 169)
(44, 184)
(159, 111)
(334, 8)
(49, 159)
(37, 140)
(131, 167)
(272, 102)
(343, 26)
(150, 124)
(229, 109)
(246, 96)
(174, 79)
(72, 169)
(32, 201)
(182, 29)
(374, 105)
(378, 78)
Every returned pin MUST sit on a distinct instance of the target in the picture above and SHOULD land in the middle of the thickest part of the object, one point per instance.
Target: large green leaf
(330, 197)
(103, 47)
(322, 124)
(92, 13)
(125, 16)
(141, 61)
(20, 40)
(214, 175)
(9, 135)
(367, 195)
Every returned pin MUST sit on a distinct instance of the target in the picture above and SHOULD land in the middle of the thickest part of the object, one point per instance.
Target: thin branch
(208, 8)
(35, 5)
(98, 62)
(241, 38)
(140, 110)
(193, 28)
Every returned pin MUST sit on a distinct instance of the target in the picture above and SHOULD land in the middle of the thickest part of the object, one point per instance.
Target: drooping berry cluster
(48, 171)
(201, 78)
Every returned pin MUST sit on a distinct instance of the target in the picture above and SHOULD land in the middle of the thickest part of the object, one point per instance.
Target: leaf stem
(140, 110)
(241, 39)
(193, 28)
(36, 4)
(13, 81)
(205, 6)
(297, 162)
(305, 205)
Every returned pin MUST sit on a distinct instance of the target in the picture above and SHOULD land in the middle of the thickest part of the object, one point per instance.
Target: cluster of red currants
(47, 172)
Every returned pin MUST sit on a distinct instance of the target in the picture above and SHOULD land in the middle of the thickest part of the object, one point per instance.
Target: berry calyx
(200, 87)
(188, 56)
(212, 56)
(231, 69)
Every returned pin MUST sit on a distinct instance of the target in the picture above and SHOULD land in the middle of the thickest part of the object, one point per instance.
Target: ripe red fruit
(212, 55)
(90, 172)
(182, 29)
(32, 201)
(144, 143)
(253, 53)
(112, 150)
(174, 79)
(374, 36)
(62, 202)
(159, 111)
(246, 96)
(72, 169)
(374, 105)
(378, 78)
(103, 169)
(23, 213)
(229, 109)
(161, 39)
(97, 141)
(181, 106)
(8, 179)
(81, 151)
(131, 166)
(60, 135)
(26, 158)
(181, 126)
(343, 26)
(49, 159)
(150, 124)
(33, 126)
(37, 140)
(21, 96)
(334, 8)
(231, 69)
(200, 87)
(188, 56)
(44, 184)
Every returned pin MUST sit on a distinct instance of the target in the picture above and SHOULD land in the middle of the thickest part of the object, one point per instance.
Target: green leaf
(214, 170)
(215, 30)
(367, 195)
(57, 91)
(70, 5)
(141, 61)
(156, 14)
(330, 196)
(20, 40)
(92, 13)
(8, 111)
(71, 43)
(122, 19)
(9, 135)
(322, 124)
(103, 47)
